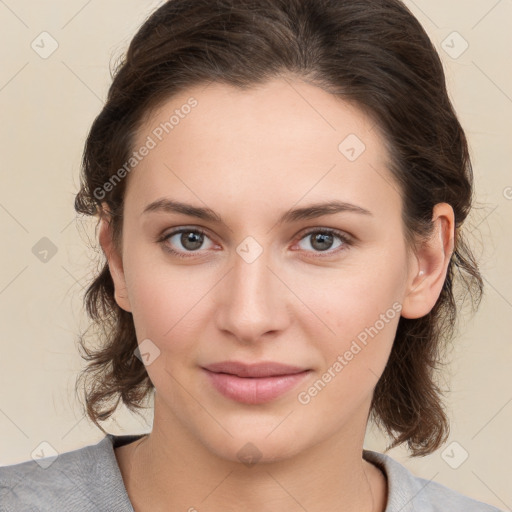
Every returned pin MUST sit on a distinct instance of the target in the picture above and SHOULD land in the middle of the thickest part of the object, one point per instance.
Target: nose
(253, 301)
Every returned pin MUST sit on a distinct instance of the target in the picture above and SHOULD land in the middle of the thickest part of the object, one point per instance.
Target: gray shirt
(89, 480)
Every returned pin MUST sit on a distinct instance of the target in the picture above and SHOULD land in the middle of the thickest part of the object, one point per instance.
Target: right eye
(190, 239)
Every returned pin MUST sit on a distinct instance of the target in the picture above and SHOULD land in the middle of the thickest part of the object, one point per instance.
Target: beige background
(47, 106)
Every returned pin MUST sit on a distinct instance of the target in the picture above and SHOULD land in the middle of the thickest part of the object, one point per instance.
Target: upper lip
(263, 369)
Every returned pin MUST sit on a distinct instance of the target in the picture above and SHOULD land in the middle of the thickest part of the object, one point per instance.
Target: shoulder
(410, 493)
(87, 479)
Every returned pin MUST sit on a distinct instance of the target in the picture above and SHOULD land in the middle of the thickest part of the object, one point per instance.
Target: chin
(254, 450)
(253, 440)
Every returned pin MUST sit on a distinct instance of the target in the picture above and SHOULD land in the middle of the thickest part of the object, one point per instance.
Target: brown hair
(373, 53)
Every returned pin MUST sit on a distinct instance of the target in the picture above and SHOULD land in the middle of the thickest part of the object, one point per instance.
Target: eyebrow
(312, 211)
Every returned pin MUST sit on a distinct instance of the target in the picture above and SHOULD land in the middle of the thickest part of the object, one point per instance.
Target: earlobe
(115, 263)
(427, 277)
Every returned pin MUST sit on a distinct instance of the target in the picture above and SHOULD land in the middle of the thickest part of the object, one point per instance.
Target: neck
(170, 470)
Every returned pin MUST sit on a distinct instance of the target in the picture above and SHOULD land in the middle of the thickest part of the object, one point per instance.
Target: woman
(280, 187)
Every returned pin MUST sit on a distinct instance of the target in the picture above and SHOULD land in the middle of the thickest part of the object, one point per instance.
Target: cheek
(166, 303)
(354, 357)
(358, 314)
(353, 298)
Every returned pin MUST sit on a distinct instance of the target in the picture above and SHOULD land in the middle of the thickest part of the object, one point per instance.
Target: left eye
(321, 240)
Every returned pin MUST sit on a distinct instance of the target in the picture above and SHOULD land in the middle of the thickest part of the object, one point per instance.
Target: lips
(264, 369)
(255, 383)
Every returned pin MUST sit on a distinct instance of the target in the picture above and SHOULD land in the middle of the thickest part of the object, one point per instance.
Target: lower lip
(254, 390)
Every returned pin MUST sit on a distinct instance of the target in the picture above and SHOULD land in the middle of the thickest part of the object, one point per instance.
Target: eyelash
(347, 241)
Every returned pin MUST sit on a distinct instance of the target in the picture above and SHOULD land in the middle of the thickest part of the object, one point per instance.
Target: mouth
(255, 383)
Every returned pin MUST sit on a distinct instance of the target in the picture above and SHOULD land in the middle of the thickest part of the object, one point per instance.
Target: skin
(250, 156)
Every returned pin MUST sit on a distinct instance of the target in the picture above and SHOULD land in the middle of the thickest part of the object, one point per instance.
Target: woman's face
(263, 284)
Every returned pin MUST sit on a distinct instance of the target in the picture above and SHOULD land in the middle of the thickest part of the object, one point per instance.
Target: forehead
(276, 113)
(276, 142)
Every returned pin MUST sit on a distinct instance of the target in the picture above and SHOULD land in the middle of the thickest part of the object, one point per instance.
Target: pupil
(195, 239)
(321, 238)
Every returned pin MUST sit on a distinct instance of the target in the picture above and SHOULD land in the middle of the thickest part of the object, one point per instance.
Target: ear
(114, 259)
(428, 273)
